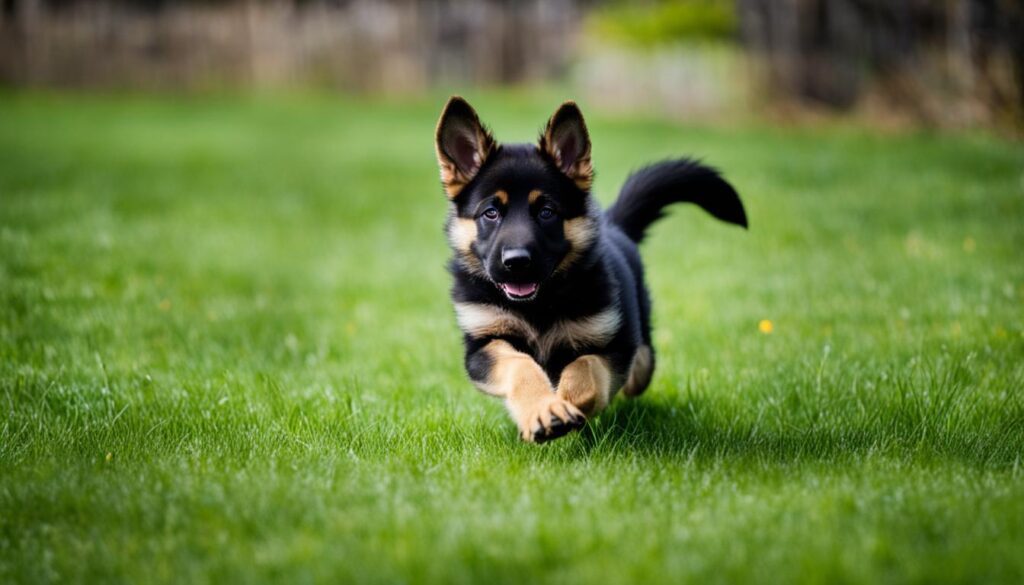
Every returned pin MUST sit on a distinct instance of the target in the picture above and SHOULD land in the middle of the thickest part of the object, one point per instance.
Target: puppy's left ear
(567, 143)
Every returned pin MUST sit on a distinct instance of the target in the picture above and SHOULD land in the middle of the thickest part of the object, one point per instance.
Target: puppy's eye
(546, 213)
(491, 214)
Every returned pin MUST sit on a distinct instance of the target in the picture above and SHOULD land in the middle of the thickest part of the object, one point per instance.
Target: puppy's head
(519, 213)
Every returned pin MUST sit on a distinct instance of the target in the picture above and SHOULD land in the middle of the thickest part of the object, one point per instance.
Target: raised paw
(550, 418)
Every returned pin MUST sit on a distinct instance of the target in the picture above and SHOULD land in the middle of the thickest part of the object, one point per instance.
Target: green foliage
(227, 355)
(663, 21)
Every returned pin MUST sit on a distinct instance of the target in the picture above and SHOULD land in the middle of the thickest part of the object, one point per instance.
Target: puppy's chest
(588, 332)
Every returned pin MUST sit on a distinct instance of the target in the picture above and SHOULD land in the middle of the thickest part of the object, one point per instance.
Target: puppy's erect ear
(567, 142)
(463, 144)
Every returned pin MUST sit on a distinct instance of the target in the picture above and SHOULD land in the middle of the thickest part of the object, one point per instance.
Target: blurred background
(931, 63)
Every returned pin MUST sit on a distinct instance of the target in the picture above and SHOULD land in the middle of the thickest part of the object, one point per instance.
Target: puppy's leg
(501, 370)
(587, 383)
(640, 372)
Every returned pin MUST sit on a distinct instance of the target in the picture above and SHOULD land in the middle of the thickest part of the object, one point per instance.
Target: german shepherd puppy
(549, 290)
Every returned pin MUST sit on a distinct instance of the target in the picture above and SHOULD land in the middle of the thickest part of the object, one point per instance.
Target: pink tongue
(520, 290)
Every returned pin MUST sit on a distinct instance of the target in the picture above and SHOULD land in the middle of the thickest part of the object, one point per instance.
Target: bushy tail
(648, 191)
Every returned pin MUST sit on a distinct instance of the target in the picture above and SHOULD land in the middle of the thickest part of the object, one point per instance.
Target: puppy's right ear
(463, 144)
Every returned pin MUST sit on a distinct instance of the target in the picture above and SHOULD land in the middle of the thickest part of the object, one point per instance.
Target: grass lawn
(227, 354)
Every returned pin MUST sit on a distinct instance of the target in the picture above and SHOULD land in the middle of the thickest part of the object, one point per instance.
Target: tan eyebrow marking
(502, 196)
(534, 195)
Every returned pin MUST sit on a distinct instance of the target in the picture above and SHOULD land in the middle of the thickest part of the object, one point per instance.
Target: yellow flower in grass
(765, 326)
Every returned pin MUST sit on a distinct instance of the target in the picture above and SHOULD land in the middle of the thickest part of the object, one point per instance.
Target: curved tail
(648, 191)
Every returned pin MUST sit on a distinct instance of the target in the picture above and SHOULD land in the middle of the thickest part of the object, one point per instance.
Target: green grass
(227, 354)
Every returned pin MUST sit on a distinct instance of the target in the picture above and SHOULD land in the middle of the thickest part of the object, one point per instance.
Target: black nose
(515, 258)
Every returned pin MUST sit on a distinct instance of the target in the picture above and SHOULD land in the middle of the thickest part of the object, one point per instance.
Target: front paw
(549, 418)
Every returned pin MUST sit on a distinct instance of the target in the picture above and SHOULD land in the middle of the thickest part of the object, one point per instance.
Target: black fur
(648, 191)
(577, 278)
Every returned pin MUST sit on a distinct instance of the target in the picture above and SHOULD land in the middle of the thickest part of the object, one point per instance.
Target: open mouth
(519, 292)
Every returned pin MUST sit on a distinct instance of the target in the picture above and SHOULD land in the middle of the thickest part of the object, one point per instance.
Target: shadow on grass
(686, 429)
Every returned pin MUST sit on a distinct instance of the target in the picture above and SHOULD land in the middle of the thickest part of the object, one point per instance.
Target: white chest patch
(482, 320)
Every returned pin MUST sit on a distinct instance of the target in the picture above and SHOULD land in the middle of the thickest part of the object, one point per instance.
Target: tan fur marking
(640, 372)
(580, 232)
(451, 178)
(582, 173)
(502, 196)
(587, 384)
(534, 196)
(513, 371)
(527, 391)
(593, 331)
(461, 235)
(483, 320)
